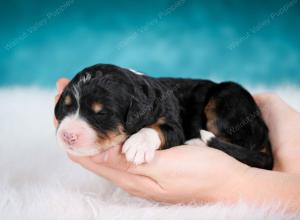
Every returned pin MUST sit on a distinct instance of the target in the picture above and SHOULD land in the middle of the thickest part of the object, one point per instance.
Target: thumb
(61, 84)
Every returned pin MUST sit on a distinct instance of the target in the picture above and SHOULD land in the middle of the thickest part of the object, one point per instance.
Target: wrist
(235, 183)
(259, 186)
(248, 185)
(243, 185)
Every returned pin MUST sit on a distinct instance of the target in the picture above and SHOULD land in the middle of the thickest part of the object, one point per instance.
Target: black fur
(136, 101)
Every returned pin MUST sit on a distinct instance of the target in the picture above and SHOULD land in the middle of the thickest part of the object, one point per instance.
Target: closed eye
(101, 112)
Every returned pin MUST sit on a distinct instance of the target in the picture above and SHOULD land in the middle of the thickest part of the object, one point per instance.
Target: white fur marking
(140, 147)
(194, 141)
(91, 149)
(206, 136)
(76, 91)
(85, 78)
(136, 72)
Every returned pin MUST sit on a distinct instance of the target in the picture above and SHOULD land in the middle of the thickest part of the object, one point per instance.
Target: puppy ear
(137, 115)
(58, 109)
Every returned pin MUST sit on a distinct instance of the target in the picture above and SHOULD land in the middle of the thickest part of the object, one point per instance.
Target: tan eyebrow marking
(97, 107)
(68, 100)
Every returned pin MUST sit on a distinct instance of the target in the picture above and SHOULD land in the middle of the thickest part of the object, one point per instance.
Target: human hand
(182, 174)
(284, 126)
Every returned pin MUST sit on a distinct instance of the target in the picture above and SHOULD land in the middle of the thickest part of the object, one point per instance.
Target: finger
(112, 158)
(115, 159)
(55, 122)
(56, 98)
(61, 84)
(100, 169)
(258, 98)
(153, 168)
(161, 163)
(137, 185)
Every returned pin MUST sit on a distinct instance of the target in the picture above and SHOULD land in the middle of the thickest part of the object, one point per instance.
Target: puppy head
(92, 112)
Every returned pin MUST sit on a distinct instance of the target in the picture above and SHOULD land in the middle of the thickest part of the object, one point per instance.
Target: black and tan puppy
(106, 105)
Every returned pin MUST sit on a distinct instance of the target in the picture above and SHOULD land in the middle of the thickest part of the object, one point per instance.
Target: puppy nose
(69, 138)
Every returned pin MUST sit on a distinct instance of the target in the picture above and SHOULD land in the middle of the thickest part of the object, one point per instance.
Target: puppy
(106, 105)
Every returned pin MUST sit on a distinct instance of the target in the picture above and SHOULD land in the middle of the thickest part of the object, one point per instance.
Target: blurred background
(252, 42)
(255, 43)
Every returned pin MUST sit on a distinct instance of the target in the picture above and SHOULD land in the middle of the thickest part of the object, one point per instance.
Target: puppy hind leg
(244, 155)
(205, 136)
(194, 141)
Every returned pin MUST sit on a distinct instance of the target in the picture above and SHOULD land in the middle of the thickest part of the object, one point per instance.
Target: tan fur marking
(97, 107)
(210, 112)
(156, 127)
(68, 100)
(113, 138)
(266, 149)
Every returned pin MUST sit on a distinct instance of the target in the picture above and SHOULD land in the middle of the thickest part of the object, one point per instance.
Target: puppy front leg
(141, 146)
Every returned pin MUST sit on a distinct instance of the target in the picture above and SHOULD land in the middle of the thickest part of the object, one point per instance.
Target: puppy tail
(244, 155)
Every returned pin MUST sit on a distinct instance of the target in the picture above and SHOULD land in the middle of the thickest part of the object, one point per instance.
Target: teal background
(252, 42)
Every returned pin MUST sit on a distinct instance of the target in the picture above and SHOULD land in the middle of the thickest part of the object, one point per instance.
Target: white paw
(194, 141)
(206, 136)
(140, 147)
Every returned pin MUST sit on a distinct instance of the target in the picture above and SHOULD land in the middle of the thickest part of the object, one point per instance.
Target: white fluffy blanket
(37, 180)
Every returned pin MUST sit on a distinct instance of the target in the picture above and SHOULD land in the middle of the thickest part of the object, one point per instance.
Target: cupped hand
(181, 174)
